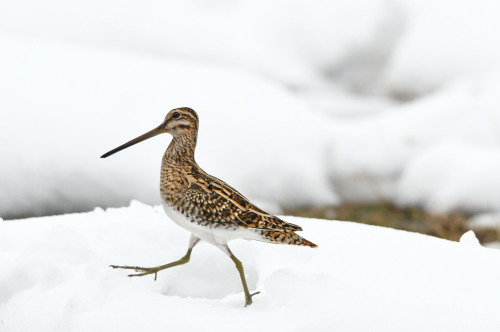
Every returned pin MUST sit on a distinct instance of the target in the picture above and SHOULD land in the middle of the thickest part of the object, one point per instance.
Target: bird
(204, 205)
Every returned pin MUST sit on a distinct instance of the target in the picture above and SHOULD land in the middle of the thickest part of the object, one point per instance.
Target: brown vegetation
(447, 226)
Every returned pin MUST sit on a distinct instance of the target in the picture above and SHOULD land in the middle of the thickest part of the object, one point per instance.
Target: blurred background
(377, 111)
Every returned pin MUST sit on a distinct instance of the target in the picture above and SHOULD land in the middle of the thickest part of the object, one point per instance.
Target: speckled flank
(206, 200)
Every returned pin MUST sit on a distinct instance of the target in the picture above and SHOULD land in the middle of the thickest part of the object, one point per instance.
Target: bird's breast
(173, 184)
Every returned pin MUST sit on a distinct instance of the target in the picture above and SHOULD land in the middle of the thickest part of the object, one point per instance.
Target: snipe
(202, 204)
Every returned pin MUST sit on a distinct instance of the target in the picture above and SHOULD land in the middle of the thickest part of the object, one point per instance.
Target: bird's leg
(239, 267)
(150, 270)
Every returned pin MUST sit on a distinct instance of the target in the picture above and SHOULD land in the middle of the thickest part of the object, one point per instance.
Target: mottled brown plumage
(206, 206)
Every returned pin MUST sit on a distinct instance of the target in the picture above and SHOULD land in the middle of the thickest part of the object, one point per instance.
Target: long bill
(158, 130)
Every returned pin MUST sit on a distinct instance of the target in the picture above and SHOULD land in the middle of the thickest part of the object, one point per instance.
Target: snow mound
(442, 41)
(77, 79)
(453, 175)
(440, 151)
(56, 278)
(469, 239)
(291, 41)
(65, 105)
(485, 220)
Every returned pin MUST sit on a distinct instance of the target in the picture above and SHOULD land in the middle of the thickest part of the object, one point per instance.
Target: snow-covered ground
(361, 278)
(300, 102)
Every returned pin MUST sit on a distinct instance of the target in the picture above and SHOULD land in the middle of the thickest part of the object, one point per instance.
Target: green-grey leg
(150, 270)
(239, 267)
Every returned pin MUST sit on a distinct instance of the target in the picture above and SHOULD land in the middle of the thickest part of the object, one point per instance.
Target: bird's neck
(177, 161)
(181, 150)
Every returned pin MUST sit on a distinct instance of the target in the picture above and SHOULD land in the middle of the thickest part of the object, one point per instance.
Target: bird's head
(178, 122)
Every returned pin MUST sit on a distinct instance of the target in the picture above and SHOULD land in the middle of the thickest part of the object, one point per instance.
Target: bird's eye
(176, 115)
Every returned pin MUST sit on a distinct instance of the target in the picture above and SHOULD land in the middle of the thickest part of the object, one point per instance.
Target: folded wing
(217, 202)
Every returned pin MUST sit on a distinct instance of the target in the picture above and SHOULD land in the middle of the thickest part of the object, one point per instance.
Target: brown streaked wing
(217, 202)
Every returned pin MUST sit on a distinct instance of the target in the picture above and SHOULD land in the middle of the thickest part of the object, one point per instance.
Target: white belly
(216, 236)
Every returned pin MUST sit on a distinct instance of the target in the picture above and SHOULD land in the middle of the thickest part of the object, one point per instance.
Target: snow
(485, 220)
(443, 41)
(405, 47)
(453, 175)
(439, 151)
(360, 100)
(469, 238)
(67, 105)
(56, 278)
(301, 103)
(287, 40)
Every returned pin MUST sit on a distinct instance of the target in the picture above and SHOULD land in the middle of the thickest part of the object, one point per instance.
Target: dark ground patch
(447, 226)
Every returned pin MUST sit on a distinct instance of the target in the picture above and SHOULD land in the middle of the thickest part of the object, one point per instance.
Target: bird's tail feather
(287, 238)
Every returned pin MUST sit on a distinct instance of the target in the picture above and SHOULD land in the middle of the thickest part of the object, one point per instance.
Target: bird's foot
(150, 270)
(248, 298)
(144, 270)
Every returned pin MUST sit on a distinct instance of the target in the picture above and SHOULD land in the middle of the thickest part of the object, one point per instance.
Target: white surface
(485, 220)
(469, 238)
(66, 105)
(453, 175)
(443, 41)
(292, 41)
(294, 99)
(56, 278)
(440, 151)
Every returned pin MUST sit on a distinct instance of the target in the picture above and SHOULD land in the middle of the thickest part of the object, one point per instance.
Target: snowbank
(485, 220)
(441, 42)
(80, 78)
(65, 105)
(453, 175)
(291, 41)
(403, 47)
(440, 151)
(56, 278)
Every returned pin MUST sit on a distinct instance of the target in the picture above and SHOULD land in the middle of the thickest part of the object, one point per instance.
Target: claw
(144, 270)
(135, 275)
(137, 268)
(248, 299)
